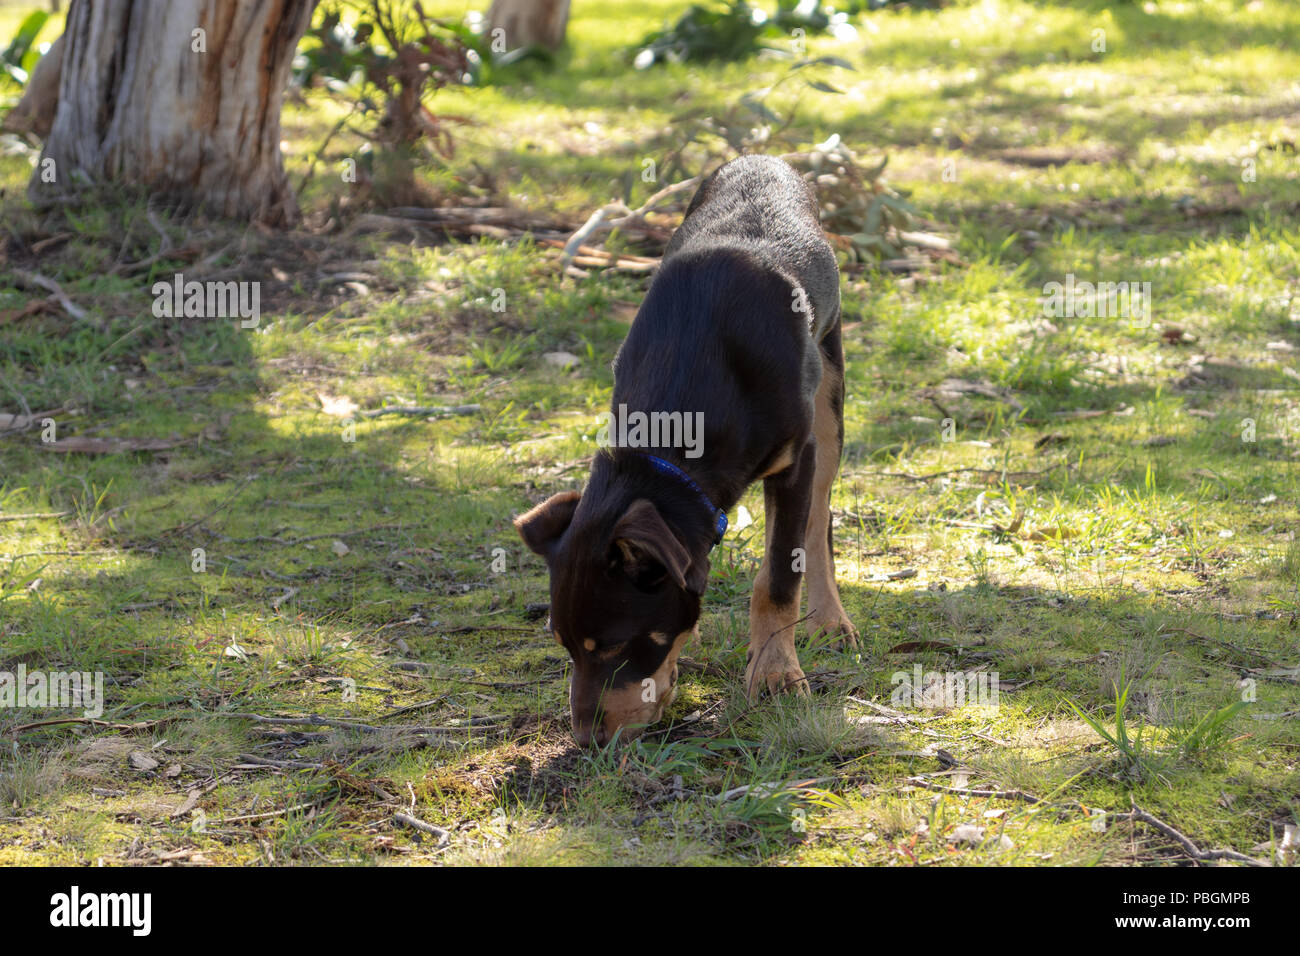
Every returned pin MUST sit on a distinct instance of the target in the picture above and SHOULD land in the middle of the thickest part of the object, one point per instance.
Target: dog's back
(726, 328)
(760, 205)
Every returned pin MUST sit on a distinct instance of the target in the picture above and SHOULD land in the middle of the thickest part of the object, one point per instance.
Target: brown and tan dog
(741, 328)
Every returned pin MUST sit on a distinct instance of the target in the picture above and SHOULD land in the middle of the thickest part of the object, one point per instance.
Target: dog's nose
(586, 735)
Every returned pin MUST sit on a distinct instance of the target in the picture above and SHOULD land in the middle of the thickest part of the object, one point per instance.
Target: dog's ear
(542, 526)
(650, 549)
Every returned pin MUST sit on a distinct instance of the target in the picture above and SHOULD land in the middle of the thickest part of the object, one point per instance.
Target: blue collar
(720, 516)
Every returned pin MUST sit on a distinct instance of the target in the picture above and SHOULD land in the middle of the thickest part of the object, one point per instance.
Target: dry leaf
(31, 308)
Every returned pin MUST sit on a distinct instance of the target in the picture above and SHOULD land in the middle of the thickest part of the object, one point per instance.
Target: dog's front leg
(774, 605)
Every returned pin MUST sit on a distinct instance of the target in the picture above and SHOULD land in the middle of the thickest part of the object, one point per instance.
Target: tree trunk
(529, 22)
(181, 97)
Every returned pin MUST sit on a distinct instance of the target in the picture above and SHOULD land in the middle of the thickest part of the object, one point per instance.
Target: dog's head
(625, 594)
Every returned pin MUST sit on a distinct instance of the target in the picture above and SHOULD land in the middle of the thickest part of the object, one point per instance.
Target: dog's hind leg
(825, 612)
(773, 663)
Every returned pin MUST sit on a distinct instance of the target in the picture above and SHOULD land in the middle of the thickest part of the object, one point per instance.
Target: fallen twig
(991, 794)
(280, 764)
(268, 814)
(55, 290)
(444, 836)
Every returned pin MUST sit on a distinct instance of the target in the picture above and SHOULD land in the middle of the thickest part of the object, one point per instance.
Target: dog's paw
(774, 668)
(838, 628)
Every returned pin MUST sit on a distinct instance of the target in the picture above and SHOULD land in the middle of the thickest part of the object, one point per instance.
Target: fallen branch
(601, 253)
(616, 215)
(593, 223)
(33, 516)
(15, 423)
(315, 720)
(138, 727)
(1190, 848)
(113, 446)
(1009, 473)
(422, 410)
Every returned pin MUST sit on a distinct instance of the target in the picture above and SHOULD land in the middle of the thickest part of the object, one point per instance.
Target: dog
(741, 327)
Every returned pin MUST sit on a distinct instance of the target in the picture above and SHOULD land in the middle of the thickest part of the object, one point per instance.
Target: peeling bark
(139, 105)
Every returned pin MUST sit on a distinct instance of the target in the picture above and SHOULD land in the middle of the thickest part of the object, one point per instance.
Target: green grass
(1131, 575)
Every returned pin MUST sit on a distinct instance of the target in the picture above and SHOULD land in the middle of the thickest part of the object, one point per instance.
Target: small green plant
(731, 31)
(19, 58)
(864, 216)
(1132, 750)
(496, 358)
(1289, 569)
(737, 29)
(381, 56)
(1199, 739)
(979, 565)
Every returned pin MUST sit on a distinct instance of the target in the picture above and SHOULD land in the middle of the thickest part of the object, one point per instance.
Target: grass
(1107, 524)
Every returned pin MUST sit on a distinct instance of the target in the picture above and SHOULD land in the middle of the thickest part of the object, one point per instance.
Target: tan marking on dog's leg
(773, 661)
(825, 612)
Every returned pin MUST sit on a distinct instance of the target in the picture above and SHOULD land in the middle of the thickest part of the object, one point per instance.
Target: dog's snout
(587, 734)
